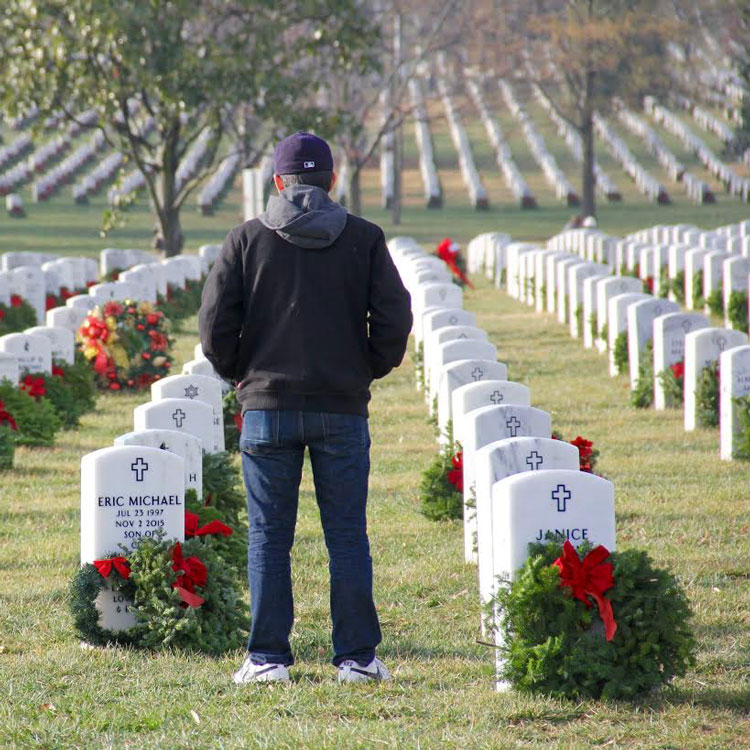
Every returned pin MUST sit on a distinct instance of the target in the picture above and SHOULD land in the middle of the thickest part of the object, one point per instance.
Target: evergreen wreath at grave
(232, 410)
(707, 396)
(698, 299)
(79, 378)
(8, 430)
(673, 382)
(715, 302)
(677, 287)
(16, 317)
(620, 352)
(222, 488)
(642, 396)
(737, 310)
(742, 445)
(558, 642)
(184, 595)
(36, 418)
(52, 386)
(180, 303)
(579, 319)
(127, 345)
(442, 484)
(418, 359)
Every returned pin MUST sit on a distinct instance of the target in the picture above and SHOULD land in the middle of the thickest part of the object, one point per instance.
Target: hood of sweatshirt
(305, 216)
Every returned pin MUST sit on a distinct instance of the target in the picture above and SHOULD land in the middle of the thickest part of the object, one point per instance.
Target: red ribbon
(212, 527)
(7, 418)
(191, 573)
(33, 386)
(120, 564)
(456, 475)
(449, 256)
(590, 577)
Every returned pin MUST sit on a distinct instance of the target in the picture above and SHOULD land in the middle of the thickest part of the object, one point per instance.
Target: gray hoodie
(305, 216)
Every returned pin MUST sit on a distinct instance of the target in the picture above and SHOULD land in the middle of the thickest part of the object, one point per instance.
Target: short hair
(321, 178)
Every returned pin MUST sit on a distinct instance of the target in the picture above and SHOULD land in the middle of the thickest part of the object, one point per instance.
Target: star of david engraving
(561, 495)
(496, 397)
(179, 417)
(477, 373)
(191, 391)
(139, 467)
(512, 425)
(534, 460)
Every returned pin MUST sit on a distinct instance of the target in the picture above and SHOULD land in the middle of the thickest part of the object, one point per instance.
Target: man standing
(303, 308)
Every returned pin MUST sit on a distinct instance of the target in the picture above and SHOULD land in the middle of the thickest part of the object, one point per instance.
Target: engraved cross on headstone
(140, 467)
(513, 424)
(477, 373)
(686, 325)
(179, 417)
(496, 397)
(562, 494)
(534, 460)
(721, 342)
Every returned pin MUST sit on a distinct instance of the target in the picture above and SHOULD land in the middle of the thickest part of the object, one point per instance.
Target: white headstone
(481, 427)
(198, 352)
(195, 388)
(577, 275)
(452, 351)
(669, 346)
(605, 290)
(735, 273)
(182, 443)
(617, 322)
(9, 369)
(693, 263)
(142, 280)
(62, 341)
(175, 272)
(640, 327)
(112, 291)
(589, 309)
(5, 286)
(183, 414)
(66, 317)
(84, 302)
(701, 349)
(28, 281)
(734, 366)
(128, 493)
(33, 351)
(445, 334)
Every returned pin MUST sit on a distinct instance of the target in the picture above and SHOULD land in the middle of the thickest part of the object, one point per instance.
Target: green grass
(673, 497)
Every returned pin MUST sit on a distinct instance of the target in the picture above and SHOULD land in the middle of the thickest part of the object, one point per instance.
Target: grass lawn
(673, 497)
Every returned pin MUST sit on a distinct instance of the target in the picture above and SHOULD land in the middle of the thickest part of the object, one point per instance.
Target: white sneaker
(375, 671)
(251, 672)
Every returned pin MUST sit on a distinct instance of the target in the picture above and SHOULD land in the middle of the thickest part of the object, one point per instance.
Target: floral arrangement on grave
(588, 456)
(127, 345)
(642, 396)
(8, 428)
(17, 316)
(450, 253)
(707, 395)
(589, 623)
(673, 382)
(181, 595)
(442, 484)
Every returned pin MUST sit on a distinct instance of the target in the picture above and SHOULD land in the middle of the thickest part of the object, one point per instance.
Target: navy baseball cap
(302, 152)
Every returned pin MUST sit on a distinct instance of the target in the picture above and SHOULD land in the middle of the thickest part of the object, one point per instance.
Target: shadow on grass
(736, 700)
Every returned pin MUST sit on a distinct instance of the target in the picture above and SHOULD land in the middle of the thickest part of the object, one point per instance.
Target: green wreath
(555, 644)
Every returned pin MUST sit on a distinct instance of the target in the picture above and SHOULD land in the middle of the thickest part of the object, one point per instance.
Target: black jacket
(297, 325)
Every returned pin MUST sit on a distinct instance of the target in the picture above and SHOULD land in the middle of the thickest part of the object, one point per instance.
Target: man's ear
(278, 182)
(334, 176)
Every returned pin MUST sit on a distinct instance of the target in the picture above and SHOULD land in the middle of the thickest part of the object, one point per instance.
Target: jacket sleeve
(389, 313)
(222, 310)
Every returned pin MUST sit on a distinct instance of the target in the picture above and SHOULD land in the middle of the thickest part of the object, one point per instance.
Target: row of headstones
(573, 140)
(469, 172)
(734, 183)
(559, 281)
(433, 191)
(503, 155)
(699, 190)
(520, 485)
(644, 180)
(556, 178)
(212, 191)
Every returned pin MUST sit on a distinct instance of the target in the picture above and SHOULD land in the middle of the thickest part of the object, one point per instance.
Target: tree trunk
(353, 192)
(587, 134)
(169, 237)
(168, 233)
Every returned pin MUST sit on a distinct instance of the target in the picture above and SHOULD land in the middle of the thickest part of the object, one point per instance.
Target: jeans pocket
(345, 434)
(260, 431)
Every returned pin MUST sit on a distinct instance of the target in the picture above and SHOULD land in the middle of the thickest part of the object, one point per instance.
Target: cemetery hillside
(558, 508)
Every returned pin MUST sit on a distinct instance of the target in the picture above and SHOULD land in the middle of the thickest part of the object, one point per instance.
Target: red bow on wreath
(447, 251)
(191, 573)
(33, 386)
(590, 577)
(456, 475)
(7, 418)
(212, 527)
(120, 564)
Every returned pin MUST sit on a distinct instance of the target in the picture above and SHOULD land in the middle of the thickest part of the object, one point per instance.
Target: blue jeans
(273, 445)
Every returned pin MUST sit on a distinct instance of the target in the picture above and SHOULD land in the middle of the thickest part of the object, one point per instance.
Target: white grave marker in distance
(499, 460)
(204, 367)
(182, 443)
(128, 493)
(590, 333)
(459, 373)
(452, 351)
(33, 351)
(640, 326)
(605, 290)
(184, 414)
(62, 341)
(481, 427)
(5, 286)
(9, 369)
(445, 334)
(28, 281)
(571, 505)
(703, 347)
(83, 302)
(735, 383)
(66, 317)
(617, 322)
